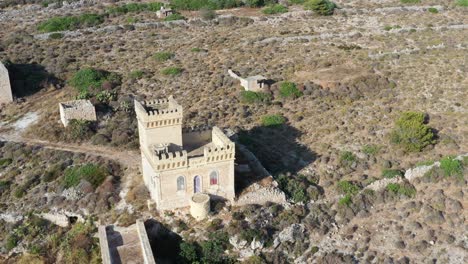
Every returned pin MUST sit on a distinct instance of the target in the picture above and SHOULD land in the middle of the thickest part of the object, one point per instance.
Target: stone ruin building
(77, 109)
(253, 83)
(6, 95)
(164, 12)
(178, 163)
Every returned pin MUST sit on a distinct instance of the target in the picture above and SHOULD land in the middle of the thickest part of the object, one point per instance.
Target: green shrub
(11, 242)
(345, 201)
(295, 187)
(163, 56)
(433, 10)
(19, 192)
(370, 150)
(296, 2)
(93, 173)
(90, 79)
(274, 9)
(289, 90)
(250, 97)
(195, 50)
(463, 3)
(70, 22)
(56, 35)
(175, 16)
(410, 1)
(347, 187)
(401, 189)
(79, 129)
(451, 167)
(388, 173)
(135, 7)
(212, 252)
(411, 133)
(321, 7)
(424, 163)
(200, 4)
(172, 71)
(347, 158)
(273, 120)
(137, 74)
(5, 162)
(188, 252)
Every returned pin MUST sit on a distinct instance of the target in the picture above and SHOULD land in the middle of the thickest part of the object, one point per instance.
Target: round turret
(200, 206)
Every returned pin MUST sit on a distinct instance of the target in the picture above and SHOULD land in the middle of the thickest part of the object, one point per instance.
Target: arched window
(214, 178)
(180, 183)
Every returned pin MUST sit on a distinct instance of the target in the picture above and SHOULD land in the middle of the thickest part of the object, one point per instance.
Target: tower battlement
(166, 110)
(169, 160)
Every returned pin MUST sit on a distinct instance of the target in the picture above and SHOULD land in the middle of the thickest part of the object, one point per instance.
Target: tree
(411, 132)
(321, 7)
(188, 252)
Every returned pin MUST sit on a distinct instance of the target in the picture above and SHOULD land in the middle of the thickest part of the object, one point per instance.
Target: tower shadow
(278, 150)
(28, 79)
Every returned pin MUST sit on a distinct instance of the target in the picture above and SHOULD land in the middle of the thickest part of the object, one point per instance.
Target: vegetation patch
(274, 9)
(321, 7)
(347, 158)
(135, 7)
(463, 3)
(163, 56)
(172, 71)
(173, 17)
(371, 150)
(295, 187)
(345, 201)
(410, 1)
(56, 35)
(347, 187)
(70, 22)
(389, 173)
(289, 90)
(251, 97)
(89, 81)
(92, 173)
(273, 120)
(411, 132)
(433, 10)
(210, 4)
(451, 167)
(396, 188)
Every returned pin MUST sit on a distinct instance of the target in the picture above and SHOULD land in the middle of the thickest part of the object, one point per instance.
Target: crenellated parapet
(169, 160)
(196, 129)
(216, 154)
(159, 112)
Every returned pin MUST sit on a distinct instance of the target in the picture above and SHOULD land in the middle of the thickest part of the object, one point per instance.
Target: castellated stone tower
(177, 162)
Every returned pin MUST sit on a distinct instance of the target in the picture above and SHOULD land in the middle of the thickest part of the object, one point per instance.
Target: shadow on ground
(28, 79)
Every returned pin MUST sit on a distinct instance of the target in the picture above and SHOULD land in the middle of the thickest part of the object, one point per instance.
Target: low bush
(171, 71)
(463, 3)
(78, 130)
(451, 167)
(345, 201)
(294, 187)
(136, 74)
(396, 188)
(321, 7)
(388, 173)
(433, 10)
(347, 187)
(347, 158)
(89, 80)
(92, 173)
(273, 120)
(410, 1)
(200, 4)
(370, 150)
(274, 9)
(135, 7)
(163, 56)
(11, 242)
(56, 35)
(5, 162)
(289, 90)
(411, 133)
(70, 22)
(175, 16)
(250, 97)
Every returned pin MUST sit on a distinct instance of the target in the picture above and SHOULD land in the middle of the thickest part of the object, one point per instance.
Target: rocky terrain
(353, 194)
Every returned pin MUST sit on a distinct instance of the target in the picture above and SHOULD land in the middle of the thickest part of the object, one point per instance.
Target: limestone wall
(104, 245)
(145, 244)
(6, 95)
(172, 198)
(78, 109)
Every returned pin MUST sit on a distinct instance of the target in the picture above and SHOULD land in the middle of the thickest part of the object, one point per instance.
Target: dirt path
(130, 159)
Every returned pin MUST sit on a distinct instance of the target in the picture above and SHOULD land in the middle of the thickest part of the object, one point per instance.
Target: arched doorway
(196, 184)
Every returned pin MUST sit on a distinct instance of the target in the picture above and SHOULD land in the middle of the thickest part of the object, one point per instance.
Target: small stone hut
(77, 109)
(6, 95)
(253, 83)
(164, 12)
